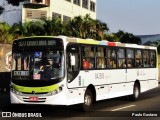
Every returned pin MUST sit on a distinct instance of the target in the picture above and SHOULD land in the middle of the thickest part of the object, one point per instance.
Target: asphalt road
(148, 106)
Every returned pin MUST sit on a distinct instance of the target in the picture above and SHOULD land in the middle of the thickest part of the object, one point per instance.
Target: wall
(6, 48)
(5, 75)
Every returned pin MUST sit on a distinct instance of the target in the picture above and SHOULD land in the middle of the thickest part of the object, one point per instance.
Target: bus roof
(107, 43)
(95, 42)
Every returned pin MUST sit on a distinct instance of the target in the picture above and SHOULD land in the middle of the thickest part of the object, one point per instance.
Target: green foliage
(52, 26)
(33, 28)
(86, 27)
(155, 44)
(123, 37)
(4, 32)
(81, 27)
(16, 29)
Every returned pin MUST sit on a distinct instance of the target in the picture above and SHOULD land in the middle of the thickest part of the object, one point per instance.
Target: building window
(36, 14)
(43, 14)
(29, 14)
(68, 0)
(92, 6)
(77, 2)
(85, 4)
(56, 15)
(66, 18)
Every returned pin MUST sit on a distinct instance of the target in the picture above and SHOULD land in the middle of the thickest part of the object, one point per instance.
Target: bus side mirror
(72, 60)
(9, 61)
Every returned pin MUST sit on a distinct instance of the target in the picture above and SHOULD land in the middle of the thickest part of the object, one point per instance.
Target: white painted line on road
(123, 107)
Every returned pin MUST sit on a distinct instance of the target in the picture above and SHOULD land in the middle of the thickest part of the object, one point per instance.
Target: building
(35, 9)
(64, 9)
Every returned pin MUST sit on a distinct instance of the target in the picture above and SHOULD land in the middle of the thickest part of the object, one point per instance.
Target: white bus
(67, 71)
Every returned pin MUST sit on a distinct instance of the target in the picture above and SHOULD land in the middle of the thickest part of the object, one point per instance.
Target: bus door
(73, 65)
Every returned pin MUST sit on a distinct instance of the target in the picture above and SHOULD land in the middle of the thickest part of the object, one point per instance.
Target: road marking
(123, 107)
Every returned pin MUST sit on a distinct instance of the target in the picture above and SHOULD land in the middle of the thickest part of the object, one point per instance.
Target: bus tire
(88, 100)
(136, 92)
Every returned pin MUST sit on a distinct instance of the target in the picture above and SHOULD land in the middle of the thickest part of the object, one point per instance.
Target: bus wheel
(88, 101)
(136, 92)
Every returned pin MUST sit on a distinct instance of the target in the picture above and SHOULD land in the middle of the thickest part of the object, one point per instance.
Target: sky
(140, 17)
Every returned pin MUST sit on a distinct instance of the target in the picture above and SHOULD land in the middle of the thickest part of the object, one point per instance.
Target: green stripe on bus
(35, 89)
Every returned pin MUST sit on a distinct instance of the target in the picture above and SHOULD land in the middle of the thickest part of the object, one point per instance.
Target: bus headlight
(56, 91)
(15, 91)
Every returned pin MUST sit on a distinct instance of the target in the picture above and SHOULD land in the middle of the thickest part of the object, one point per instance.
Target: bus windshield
(46, 64)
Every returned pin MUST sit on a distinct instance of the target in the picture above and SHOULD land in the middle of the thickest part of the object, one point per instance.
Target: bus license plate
(33, 98)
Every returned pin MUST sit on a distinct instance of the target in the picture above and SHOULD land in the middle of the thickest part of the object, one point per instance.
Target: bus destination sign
(36, 43)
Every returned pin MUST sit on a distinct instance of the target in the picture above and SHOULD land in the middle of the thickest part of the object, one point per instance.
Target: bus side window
(73, 61)
(152, 59)
(130, 58)
(111, 61)
(138, 56)
(88, 58)
(121, 58)
(100, 58)
(146, 59)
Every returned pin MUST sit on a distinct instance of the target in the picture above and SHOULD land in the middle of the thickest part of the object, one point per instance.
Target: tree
(1, 10)
(16, 30)
(75, 27)
(32, 28)
(5, 36)
(100, 28)
(123, 37)
(52, 26)
(86, 27)
(14, 2)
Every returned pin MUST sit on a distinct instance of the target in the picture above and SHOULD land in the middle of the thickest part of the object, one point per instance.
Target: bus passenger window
(100, 63)
(85, 64)
(152, 59)
(111, 62)
(100, 57)
(138, 56)
(146, 59)
(130, 58)
(88, 57)
(121, 58)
